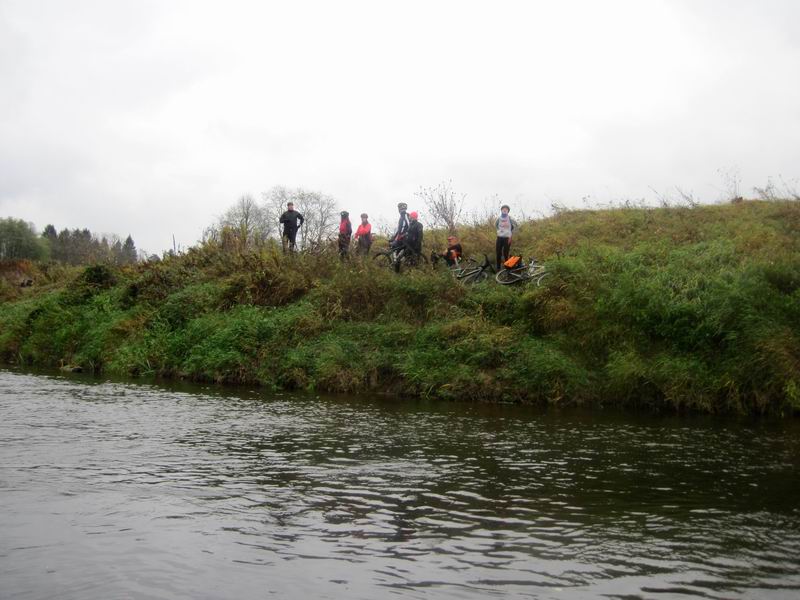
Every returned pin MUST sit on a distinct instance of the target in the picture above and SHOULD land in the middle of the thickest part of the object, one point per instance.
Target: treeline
(19, 240)
(81, 246)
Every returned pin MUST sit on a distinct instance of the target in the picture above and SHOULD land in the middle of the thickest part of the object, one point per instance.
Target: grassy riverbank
(678, 308)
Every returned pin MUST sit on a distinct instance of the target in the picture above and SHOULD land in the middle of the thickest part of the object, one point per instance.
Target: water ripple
(111, 489)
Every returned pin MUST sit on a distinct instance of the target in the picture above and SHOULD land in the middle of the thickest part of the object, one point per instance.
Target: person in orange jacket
(363, 236)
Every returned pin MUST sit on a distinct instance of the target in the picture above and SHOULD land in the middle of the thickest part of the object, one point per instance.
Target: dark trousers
(344, 245)
(364, 242)
(288, 239)
(414, 251)
(502, 247)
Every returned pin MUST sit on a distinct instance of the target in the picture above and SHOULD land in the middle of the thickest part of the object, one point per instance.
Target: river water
(124, 490)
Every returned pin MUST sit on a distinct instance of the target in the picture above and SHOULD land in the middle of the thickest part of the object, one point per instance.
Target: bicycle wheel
(466, 266)
(538, 276)
(466, 271)
(478, 276)
(408, 259)
(509, 276)
(468, 275)
(383, 259)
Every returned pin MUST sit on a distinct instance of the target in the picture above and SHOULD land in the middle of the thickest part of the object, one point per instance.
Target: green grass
(669, 309)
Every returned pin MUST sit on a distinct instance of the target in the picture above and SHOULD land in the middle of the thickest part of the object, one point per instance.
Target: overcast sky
(150, 118)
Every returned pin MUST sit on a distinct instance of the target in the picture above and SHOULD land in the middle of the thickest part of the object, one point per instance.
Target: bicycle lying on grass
(533, 272)
(466, 271)
(472, 272)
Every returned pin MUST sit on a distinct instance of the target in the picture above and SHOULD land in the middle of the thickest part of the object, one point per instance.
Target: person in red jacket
(363, 236)
(345, 231)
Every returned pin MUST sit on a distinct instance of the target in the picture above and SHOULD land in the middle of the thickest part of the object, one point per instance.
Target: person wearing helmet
(345, 231)
(363, 236)
(413, 238)
(402, 225)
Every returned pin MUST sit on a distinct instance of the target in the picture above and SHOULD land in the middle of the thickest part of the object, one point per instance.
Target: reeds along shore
(669, 308)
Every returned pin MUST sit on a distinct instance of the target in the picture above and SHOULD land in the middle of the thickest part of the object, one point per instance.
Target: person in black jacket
(413, 239)
(291, 221)
(454, 251)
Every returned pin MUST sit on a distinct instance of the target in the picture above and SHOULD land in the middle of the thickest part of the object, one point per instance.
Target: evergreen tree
(49, 233)
(128, 251)
(116, 253)
(74, 247)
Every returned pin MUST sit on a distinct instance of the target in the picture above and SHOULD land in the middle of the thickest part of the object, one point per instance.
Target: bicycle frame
(533, 271)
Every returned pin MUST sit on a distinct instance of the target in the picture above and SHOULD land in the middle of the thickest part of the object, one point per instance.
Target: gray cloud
(150, 118)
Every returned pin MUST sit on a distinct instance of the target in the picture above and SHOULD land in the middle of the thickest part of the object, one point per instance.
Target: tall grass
(669, 308)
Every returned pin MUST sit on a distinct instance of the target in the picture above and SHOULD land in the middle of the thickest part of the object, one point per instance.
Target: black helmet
(402, 206)
(345, 213)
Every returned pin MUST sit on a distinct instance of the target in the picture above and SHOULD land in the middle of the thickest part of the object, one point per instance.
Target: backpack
(513, 262)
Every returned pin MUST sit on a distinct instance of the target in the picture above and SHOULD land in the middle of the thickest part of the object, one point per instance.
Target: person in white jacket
(505, 226)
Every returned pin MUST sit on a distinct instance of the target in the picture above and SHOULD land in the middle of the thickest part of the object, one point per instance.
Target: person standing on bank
(291, 221)
(505, 228)
(402, 226)
(345, 231)
(413, 239)
(363, 236)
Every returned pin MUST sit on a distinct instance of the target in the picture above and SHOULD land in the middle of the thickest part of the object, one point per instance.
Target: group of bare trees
(319, 211)
(251, 224)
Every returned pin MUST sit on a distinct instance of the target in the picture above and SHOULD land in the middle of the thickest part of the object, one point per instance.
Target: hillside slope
(678, 308)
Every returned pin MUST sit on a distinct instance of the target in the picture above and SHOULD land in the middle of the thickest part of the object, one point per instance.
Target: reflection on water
(137, 491)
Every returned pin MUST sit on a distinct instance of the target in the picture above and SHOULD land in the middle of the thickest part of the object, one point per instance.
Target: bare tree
(731, 183)
(783, 191)
(246, 224)
(688, 197)
(319, 212)
(443, 205)
(790, 189)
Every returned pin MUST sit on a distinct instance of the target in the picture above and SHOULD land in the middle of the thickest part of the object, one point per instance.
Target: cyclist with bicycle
(405, 246)
(402, 226)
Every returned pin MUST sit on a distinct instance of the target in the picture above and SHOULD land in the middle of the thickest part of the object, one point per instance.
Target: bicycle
(533, 272)
(475, 273)
(396, 257)
(456, 269)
